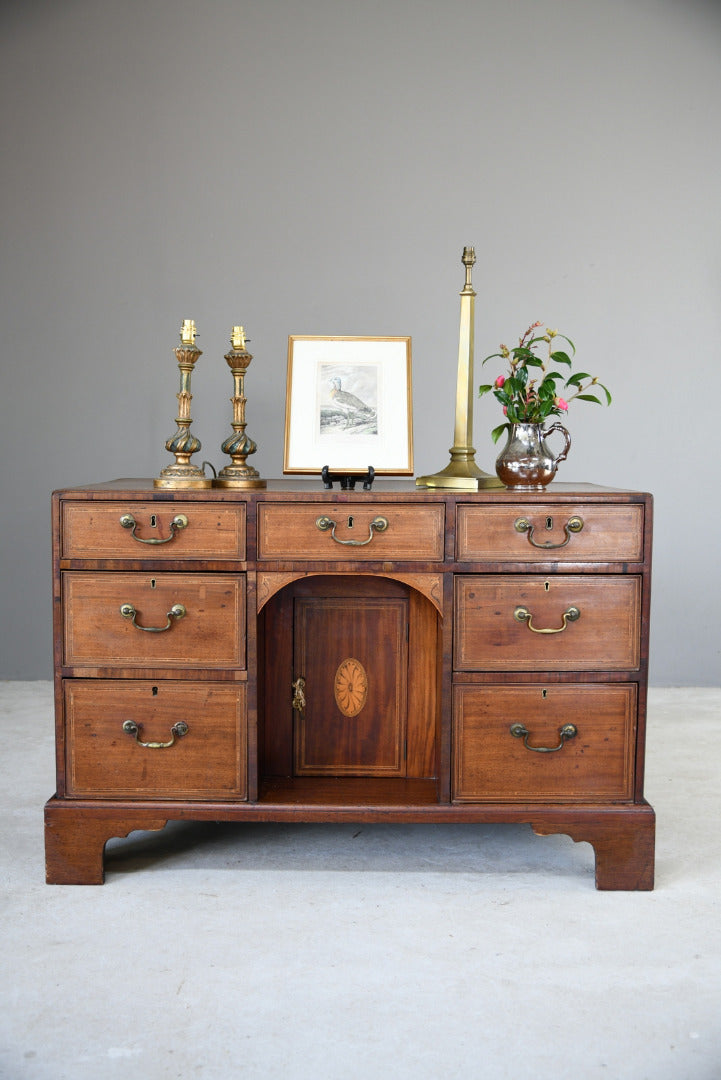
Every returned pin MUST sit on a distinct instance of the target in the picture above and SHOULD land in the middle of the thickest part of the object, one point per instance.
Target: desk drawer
(550, 531)
(152, 530)
(594, 764)
(208, 760)
(563, 622)
(166, 620)
(345, 531)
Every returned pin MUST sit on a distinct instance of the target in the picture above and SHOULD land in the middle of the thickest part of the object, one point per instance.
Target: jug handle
(567, 439)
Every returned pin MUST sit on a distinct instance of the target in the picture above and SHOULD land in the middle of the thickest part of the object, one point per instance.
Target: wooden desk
(297, 654)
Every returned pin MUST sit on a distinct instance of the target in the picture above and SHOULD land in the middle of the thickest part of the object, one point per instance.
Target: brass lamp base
(193, 479)
(182, 485)
(462, 474)
(227, 478)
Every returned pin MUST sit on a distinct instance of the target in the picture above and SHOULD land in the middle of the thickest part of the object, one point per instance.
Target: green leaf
(497, 432)
(573, 347)
(484, 389)
(494, 354)
(606, 392)
(561, 358)
(578, 378)
(534, 361)
(588, 397)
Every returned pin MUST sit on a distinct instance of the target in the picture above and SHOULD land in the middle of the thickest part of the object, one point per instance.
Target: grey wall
(317, 167)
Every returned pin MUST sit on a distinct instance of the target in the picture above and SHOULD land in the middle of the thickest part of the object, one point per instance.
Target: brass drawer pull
(177, 611)
(180, 521)
(522, 614)
(176, 731)
(568, 731)
(573, 525)
(380, 524)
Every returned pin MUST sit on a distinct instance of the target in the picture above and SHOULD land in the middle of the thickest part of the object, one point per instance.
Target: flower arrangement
(529, 392)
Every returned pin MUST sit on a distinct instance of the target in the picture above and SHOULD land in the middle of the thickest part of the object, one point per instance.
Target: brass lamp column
(462, 472)
(238, 445)
(182, 473)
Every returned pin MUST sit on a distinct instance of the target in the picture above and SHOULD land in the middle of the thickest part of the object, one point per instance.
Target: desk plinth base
(622, 835)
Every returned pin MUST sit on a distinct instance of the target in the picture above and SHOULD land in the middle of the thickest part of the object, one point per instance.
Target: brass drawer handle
(568, 731)
(380, 524)
(522, 614)
(177, 611)
(573, 525)
(176, 731)
(180, 521)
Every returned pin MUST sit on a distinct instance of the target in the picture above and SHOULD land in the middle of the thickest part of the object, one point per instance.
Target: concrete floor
(360, 953)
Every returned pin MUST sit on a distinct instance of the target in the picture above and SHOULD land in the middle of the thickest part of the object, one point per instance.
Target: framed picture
(348, 405)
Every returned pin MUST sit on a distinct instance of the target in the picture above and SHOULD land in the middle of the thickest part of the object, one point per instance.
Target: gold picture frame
(348, 405)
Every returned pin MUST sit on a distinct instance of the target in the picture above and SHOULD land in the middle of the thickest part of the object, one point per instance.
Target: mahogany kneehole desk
(299, 654)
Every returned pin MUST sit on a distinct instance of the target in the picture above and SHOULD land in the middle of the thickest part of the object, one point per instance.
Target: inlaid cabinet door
(350, 708)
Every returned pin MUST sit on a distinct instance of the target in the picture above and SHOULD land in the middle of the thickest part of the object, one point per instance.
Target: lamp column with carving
(462, 471)
(239, 445)
(183, 444)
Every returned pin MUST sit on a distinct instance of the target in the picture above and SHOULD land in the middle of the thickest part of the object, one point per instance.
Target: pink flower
(561, 404)
(500, 381)
(505, 410)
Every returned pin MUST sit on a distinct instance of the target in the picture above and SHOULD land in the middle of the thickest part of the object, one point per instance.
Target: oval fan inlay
(351, 687)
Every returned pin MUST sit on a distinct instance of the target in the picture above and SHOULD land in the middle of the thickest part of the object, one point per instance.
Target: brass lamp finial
(468, 259)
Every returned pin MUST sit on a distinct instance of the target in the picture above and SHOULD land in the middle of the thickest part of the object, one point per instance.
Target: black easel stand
(348, 480)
